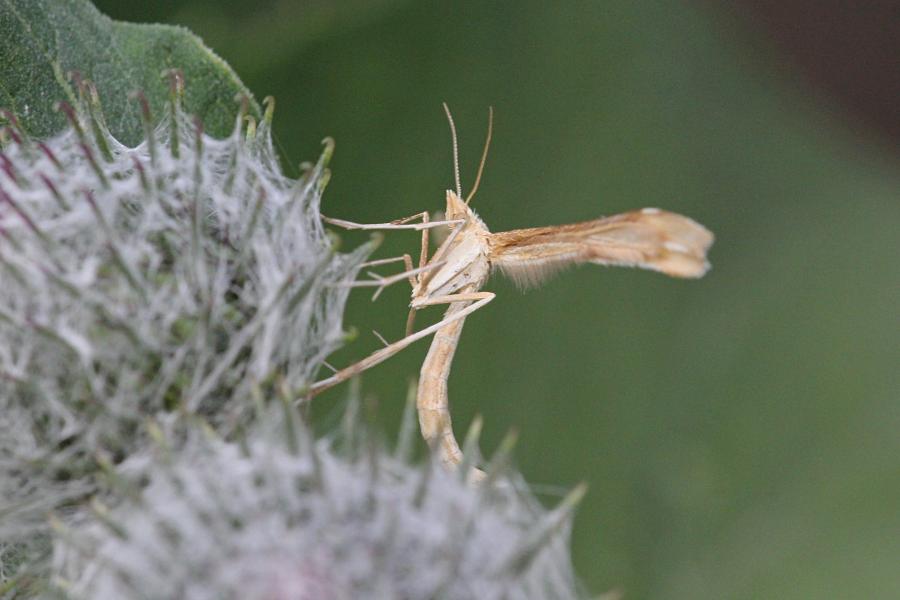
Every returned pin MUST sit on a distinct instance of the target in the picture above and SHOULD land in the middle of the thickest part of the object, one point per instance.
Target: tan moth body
(466, 256)
(650, 238)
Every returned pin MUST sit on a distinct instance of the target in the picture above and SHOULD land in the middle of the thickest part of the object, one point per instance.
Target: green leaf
(41, 41)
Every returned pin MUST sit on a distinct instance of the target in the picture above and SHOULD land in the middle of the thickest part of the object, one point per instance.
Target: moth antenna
(455, 150)
(484, 153)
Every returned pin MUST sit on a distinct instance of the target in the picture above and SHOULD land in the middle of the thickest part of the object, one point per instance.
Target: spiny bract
(281, 517)
(157, 304)
(169, 278)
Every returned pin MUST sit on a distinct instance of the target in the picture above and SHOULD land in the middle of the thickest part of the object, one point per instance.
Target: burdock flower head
(166, 280)
(162, 309)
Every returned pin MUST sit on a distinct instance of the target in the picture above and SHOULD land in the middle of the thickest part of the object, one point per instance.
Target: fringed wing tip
(684, 246)
(680, 265)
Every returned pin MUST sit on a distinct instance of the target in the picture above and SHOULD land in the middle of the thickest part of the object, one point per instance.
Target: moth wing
(649, 239)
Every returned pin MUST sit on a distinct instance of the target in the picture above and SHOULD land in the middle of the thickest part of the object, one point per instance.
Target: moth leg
(443, 249)
(423, 256)
(410, 321)
(387, 261)
(476, 297)
(410, 271)
(411, 316)
(407, 262)
(383, 354)
(399, 224)
(432, 397)
(381, 282)
(423, 260)
(422, 215)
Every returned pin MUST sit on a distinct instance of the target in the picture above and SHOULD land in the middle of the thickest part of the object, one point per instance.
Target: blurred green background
(740, 433)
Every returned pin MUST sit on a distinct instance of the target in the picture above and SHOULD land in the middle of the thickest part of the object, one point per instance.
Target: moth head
(457, 208)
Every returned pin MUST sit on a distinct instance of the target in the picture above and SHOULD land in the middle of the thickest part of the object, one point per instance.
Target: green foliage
(42, 40)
